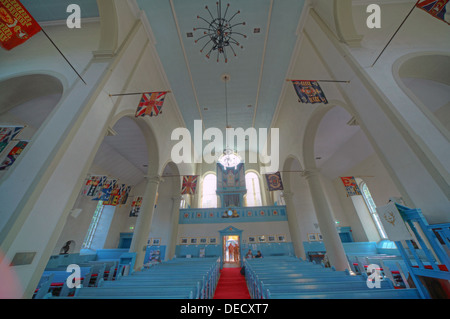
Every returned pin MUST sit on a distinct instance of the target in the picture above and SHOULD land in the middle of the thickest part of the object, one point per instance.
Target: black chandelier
(220, 32)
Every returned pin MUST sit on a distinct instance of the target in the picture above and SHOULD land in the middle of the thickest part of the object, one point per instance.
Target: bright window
(209, 196)
(253, 197)
(93, 226)
(372, 209)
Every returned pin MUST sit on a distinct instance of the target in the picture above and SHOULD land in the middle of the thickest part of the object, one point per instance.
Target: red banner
(16, 24)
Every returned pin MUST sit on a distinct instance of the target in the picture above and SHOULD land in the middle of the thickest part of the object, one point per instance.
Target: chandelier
(220, 33)
(229, 157)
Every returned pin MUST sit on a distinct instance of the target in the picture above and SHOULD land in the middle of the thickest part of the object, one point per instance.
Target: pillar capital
(177, 197)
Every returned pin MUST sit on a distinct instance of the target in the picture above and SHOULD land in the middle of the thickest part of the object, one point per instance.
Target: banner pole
(62, 55)
(395, 33)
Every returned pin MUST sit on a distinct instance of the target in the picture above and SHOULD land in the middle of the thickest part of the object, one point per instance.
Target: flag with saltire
(151, 104)
(189, 184)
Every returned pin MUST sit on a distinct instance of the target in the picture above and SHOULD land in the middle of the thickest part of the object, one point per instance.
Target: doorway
(231, 250)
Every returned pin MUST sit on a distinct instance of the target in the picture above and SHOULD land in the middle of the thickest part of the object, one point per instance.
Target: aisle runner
(231, 285)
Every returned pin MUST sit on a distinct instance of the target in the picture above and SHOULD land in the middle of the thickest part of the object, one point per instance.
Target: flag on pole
(437, 8)
(351, 186)
(7, 134)
(189, 184)
(151, 104)
(16, 24)
(309, 92)
(274, 181)
(12, 155)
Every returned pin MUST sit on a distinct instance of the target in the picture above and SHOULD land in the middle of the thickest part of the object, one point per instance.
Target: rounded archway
(126, 155)
(26, 101)
(424, 77)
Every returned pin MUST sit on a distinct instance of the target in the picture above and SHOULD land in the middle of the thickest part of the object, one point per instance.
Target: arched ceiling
(257, 73)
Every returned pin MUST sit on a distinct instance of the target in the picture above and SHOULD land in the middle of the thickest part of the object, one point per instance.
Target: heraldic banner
(274, 181)
(16, 24)
(437, 8)
(309, 92)
(351, 186)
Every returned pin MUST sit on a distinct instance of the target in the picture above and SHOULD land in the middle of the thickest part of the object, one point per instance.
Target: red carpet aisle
(231, 285)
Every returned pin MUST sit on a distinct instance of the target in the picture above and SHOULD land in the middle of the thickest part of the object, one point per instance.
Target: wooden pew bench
(135, 292)
(364, 294)
(167, 280)
(317, 287)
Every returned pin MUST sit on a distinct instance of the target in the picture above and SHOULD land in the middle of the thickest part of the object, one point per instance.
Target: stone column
(293, 224)
(173, 231)
(331, 239)
(144, 221)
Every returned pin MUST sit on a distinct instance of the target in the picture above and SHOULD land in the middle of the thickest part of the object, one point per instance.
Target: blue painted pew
(89, 276)
(372, 294)
(135, 292)
(320, 287)
(169, 280)
(295, 279)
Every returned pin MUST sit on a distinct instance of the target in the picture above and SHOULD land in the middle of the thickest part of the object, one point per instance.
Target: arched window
(372, 209)
(253, 197)
(93, 226)
(209, 196)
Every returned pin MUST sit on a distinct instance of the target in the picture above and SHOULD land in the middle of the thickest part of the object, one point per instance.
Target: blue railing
(238, 214)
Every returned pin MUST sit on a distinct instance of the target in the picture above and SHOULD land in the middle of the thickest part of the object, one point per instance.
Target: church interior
(252, 149)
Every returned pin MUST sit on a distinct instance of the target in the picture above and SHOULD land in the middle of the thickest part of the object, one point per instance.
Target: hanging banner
(351, 186)
(94, 184)
(439, 9)
(151, 104)
(309, 92)
(124, 195)
(274, 181)
(16, 24)
(189, 184)
(393, 223)
(104, 192)
(136, 207)
(114, 196)
(7, 134)
(12, 155)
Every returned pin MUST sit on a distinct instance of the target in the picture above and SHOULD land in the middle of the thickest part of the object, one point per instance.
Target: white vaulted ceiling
(257, 73)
